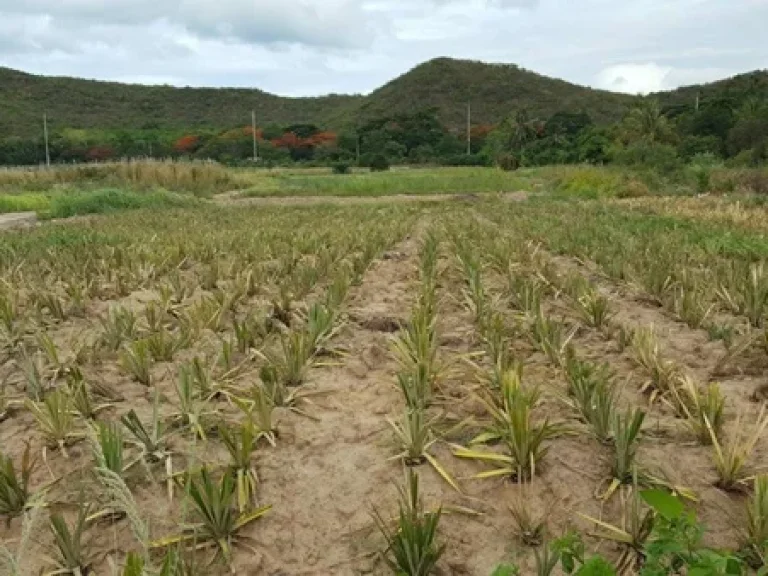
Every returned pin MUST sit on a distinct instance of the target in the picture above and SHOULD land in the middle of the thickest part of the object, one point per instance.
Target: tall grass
(65, 204)
(192, 177)
(107, 201)
(396, 181)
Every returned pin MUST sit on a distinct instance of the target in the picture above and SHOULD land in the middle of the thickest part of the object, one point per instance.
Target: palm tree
(646, 122)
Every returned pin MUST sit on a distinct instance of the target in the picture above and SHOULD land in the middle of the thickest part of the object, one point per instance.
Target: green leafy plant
(592, 394)
(731, 456)
(412, 547)
(704, 409)
(14, 487)
(626, 429)
(54, 417)
(69, 544)
(414, 434)
(240, 443)
(213, 503)
(594, 308)
(754, 546)
(119, 326)
(108, 447)
(136, 360)
(633, 531)
(514, 426)
(152, 441)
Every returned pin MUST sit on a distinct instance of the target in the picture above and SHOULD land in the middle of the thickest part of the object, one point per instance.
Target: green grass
(24, 203)
(74, 203)
(393, 182)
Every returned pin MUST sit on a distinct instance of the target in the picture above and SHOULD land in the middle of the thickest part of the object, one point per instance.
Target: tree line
(718, 129)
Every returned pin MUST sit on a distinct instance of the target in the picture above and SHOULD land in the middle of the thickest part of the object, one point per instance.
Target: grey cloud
(314, 46)
(330, 23)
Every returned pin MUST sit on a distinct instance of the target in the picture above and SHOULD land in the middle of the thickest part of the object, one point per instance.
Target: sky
(313, 47)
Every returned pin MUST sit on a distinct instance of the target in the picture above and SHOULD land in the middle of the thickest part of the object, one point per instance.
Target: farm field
(202, 387)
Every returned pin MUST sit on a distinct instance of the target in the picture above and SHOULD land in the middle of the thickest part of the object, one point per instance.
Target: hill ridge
(446, 84)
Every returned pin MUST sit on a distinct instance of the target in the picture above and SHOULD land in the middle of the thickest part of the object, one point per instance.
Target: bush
(378, 163)
(340, 168)
(507, 162)
(633, 188)
(588, 182)
(661, 157)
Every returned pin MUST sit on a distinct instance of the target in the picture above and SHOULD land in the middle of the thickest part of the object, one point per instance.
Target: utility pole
(255, 143)
(469, 129)
(697, 101)
(357, 148)
(45, 134)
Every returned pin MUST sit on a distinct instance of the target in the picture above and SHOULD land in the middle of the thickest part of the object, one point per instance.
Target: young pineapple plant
(732, 455)
(530, 526)
(626, 430)
(119, 326)
(414, 434)
(525, 293)
(594, 308)
(192, 409)
(416, 351)
(551, 337)
(262, 412)
(748, 294)
(240, 442)
(412, 545)
(54, 417)
(163, 345)
(136, 360)
(592, 394)
(11, 327)
(754, 535)
(14, 486)
(218, 523)
(81, 397)
(249, 331)
(632, 533)
(662, 374)
(514, 427)
(322, 325)
(704, 408)
(296, 359)
(475, 298)
(35, 374)
(69, 544)
(152, 440)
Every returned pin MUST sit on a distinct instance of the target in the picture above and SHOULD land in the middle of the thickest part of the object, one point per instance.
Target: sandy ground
(330, 470)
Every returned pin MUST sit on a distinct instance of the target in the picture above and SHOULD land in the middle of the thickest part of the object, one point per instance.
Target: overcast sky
(309, 47)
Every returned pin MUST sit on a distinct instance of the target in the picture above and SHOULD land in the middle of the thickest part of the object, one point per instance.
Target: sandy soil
(329, 470)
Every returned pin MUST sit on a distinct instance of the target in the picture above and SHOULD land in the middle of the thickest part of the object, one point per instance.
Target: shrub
(507, 162)
(378, 163)
(661, 157)
(340, 168)
(633, 188)
(588, 182)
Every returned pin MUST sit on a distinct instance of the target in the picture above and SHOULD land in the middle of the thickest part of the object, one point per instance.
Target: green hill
(76, 103)
(495, 90)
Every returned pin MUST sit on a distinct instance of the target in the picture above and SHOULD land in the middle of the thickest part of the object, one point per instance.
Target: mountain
(494, 90)
(730, 91)
(76, 103)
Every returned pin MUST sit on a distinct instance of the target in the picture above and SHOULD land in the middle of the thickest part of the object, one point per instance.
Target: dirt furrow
(328, 470)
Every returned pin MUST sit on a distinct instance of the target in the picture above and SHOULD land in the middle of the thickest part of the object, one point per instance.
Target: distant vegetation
(518, 119)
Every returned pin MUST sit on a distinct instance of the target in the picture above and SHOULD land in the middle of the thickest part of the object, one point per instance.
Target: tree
(645, 122)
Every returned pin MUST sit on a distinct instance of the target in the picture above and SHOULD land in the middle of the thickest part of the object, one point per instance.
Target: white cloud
(634, 78)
